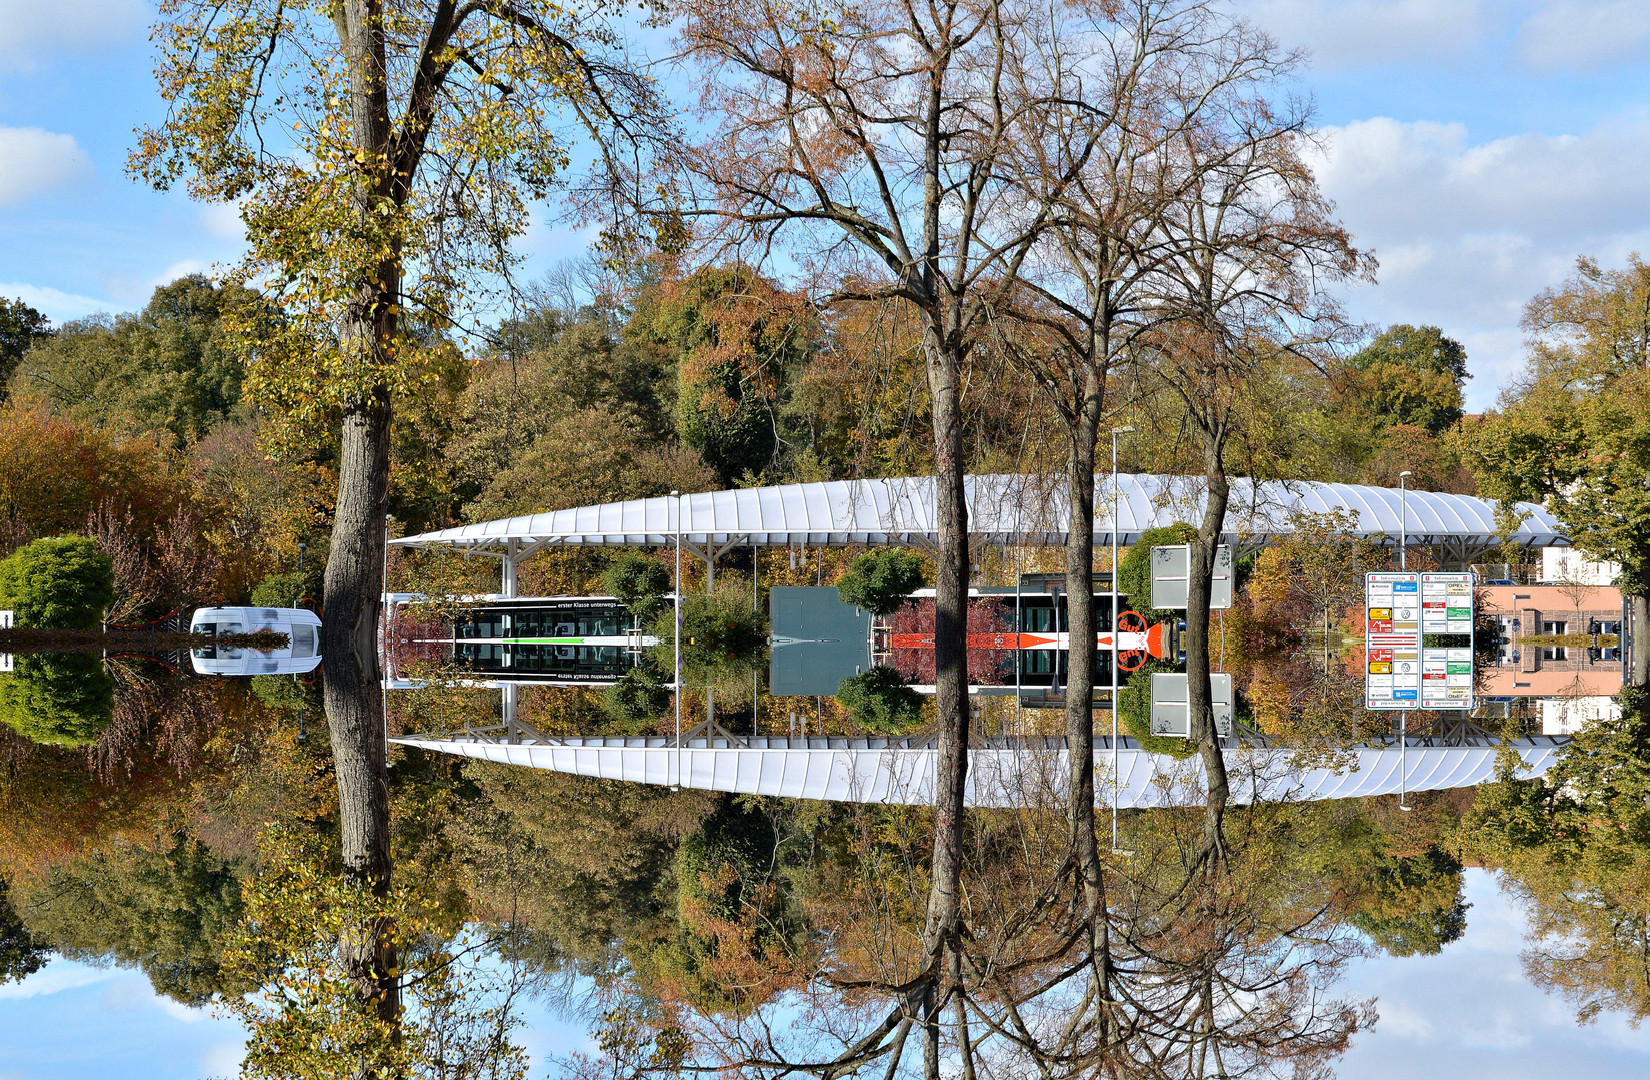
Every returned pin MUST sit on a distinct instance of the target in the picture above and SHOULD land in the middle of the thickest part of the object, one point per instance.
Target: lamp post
(676, 504)
(1116, 599)
(1403, 564)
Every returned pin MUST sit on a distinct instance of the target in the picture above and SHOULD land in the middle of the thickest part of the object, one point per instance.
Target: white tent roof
(1002, 509)
(863, 771)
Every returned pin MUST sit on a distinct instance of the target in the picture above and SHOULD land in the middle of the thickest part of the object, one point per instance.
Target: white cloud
(34, 161)
(55, 978)
(1466, 233)
(1359, 33)
(56, 304)
(223, 1059)
(1470, 1013)
(134, 290)
(1585, 36)
(223, 221)
(32, 32)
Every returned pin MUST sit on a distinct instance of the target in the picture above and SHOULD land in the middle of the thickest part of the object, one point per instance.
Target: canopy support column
(507, 584)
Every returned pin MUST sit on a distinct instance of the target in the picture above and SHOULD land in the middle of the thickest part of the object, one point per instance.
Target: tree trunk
(950, 644)
(1199, 697)
(353, 696)
(1080, 452)
(1085, 843)
(354, 575)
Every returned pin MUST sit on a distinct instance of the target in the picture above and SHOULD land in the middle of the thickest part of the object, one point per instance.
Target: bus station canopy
(873, 770)
(1003, 509)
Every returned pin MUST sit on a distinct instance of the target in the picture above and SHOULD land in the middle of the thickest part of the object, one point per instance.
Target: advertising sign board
(1402, 612)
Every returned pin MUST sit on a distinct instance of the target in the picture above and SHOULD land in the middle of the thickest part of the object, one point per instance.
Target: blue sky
(1466, 1014)
(1477, 146)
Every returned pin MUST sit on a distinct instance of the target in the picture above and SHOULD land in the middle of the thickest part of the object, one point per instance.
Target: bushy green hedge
(880, 580)
(58, 583)
(637, 698)
(880, 701)
(59, 699)
(1134, 713)
(1134, 574)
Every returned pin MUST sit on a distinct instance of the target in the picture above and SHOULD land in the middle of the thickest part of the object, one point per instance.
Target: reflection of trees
(60, 700)
(1575, 848)
(1180, 969)
(165, 910)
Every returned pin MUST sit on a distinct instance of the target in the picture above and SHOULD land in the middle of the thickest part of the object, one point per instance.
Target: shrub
(59, 582)
(282, 591)
(60, 699)
(880, 701)
(723, 635)
(287, 693)
(1134, 573)
(638, 581)
(879, 581)
(637, 698)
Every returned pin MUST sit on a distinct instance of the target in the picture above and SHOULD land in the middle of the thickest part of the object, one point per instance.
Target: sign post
(1392, 641)
(1418, 641)
(1172, 571)
(1446, 660)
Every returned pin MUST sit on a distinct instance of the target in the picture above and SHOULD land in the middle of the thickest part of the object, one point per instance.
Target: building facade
(1574, 679)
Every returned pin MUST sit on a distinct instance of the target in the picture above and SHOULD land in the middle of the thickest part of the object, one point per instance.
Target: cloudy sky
(1466, 1014)
(1477, 146)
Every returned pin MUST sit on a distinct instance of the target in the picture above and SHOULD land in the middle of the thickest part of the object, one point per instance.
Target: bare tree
(874, 142)
(1253, 245)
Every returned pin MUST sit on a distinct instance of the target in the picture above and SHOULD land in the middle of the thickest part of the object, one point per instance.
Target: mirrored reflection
(695, 929)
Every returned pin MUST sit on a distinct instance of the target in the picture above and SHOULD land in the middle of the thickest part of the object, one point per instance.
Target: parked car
(301, 655)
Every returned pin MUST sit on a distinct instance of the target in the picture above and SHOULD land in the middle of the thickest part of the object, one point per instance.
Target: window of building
(1609, 626)
(1555, 628)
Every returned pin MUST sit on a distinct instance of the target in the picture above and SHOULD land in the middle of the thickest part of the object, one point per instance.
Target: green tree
(411, 141)
(637, 698)
(1413, 905)
(1575, 432)
(58, 699)
(1389, 394)
(1575, 846)
(290, 589)
(167, 909)
(21, 328)
(1418, 348)
(169, 368)
(880, 702)
(639, 581)
(725, 951)
(293, 944)
(58, 582)
(22, 953)
(880, 581)
(722, 636)
(570, 414)
(740, 341)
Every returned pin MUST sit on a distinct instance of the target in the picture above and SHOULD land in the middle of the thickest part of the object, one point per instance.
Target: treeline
(139, 429)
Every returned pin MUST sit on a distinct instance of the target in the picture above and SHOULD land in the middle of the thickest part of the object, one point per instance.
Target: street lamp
(676, 503)
(1116, 597)
(1403, 564)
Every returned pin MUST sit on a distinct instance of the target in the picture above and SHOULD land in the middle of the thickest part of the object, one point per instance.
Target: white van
(301, 655)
